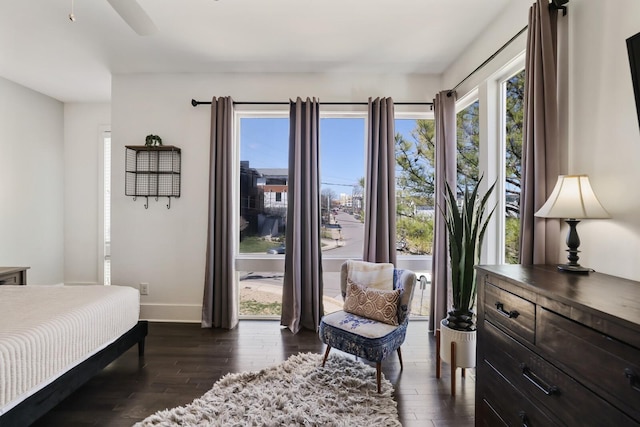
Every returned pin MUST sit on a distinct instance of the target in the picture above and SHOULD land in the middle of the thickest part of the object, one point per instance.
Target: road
(352, 237)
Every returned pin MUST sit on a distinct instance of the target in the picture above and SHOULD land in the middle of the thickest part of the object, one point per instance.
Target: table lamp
(572, 199)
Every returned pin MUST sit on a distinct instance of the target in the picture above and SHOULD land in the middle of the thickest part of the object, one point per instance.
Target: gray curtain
(539, 237)
(302, 287)
(380, 183)
(445, 160)
(220, 302)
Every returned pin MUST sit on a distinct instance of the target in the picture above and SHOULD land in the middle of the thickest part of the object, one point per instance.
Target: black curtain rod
(196, 103)
(555, 4)
(489, 59)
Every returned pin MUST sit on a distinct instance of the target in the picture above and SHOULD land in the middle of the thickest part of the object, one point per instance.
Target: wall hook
(146, 203)
(169, 203)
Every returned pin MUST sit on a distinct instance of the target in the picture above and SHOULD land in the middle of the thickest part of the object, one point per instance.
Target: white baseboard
(79, 283)
(178, 313)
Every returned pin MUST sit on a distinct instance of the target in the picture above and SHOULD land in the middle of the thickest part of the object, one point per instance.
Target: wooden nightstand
(13, 275)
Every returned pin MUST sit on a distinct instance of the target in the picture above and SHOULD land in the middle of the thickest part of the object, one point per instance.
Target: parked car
(338, 226)
(276, 250)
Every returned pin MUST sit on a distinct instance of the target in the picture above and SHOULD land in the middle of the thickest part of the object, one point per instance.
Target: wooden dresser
(557, 348)
(13, 275)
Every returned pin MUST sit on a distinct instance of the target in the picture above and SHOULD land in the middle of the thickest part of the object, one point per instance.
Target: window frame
(104, 248)
(490, 93)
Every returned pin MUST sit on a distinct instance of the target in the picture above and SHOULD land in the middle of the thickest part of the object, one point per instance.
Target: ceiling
(73, 61)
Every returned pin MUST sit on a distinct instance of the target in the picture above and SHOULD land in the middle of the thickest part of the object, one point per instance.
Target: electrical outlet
(144, 288)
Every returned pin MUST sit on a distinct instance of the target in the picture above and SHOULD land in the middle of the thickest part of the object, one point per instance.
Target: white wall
(604, 135)
(83, 126)
(166, 248)
(31, 182)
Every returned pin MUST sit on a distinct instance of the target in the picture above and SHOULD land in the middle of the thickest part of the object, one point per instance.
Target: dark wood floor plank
(182, 361)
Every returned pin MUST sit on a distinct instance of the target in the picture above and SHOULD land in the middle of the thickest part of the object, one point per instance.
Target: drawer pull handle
(634, 381)
(508, 314)
(524, 418)
(537, 381)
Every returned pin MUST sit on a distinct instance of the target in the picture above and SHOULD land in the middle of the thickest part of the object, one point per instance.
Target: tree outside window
(415, 180)
(514, 120)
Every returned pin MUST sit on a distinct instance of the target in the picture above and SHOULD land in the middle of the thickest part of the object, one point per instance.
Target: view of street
(265, 288)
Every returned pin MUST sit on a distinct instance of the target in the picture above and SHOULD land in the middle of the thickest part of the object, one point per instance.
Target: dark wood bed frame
(38, 404)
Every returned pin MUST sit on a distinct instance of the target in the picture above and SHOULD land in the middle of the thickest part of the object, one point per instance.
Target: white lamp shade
(574, 198)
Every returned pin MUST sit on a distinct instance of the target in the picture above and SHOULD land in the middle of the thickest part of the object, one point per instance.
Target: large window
(263, 206)
(489, 141)
(263, 163)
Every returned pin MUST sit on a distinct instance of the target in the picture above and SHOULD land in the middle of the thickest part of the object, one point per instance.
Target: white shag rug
(298, 392)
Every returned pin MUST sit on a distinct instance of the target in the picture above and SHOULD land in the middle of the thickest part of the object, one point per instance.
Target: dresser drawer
(604, 363)
(11, 279)
(508, 404)
(543, 383)
(488, 417)
(512, 312)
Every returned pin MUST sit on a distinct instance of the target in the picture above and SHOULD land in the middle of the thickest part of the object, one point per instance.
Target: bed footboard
(38, 404)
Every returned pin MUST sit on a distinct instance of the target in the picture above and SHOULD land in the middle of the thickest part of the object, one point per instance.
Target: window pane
(263, 184)
(264, 151)
(263, 206)
(342, 180)
(415, 139)
(468, 139)
(514, 90)
(260, 293)
(415, 180)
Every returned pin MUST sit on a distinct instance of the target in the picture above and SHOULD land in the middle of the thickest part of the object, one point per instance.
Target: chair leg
(438, 363)
(453, 368)
(326, 355)
(379, 374)
(400, 357)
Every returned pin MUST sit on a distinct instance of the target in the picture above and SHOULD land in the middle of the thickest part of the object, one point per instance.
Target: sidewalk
(265, 293)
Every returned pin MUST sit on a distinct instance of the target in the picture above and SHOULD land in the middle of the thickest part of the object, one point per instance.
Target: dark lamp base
(574, 268)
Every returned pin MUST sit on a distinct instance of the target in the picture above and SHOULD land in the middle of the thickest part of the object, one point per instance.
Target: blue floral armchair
(364, 337)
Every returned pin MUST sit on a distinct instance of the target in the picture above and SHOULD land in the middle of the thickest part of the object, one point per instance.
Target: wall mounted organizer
(152, 172)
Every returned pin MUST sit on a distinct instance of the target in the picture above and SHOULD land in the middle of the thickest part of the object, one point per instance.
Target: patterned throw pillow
(372, 303)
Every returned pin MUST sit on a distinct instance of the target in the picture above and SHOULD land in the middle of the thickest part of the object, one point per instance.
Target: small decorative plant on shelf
(466, 226)
(153, 141)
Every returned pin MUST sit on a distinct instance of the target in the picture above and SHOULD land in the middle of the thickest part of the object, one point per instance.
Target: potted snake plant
(466, 226)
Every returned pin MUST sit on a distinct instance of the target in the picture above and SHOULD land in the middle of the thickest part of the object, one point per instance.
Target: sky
(264, 143)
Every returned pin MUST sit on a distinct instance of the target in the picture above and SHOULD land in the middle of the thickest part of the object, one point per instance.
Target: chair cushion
(366, 338)
(375, 275)
(372, 303)
(358, 325)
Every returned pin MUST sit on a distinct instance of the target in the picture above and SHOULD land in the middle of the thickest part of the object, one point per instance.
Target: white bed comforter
(47, 330)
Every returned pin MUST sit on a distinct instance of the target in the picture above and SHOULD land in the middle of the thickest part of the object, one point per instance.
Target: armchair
(365, 327)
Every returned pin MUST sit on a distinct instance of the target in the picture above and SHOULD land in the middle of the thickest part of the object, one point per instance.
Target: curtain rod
(555, 4)
(489, 59)
(196, 103)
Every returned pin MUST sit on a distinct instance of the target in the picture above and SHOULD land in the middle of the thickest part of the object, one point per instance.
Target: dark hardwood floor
(182, 361)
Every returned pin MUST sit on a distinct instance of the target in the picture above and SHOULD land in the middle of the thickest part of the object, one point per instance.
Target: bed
(53, 339)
